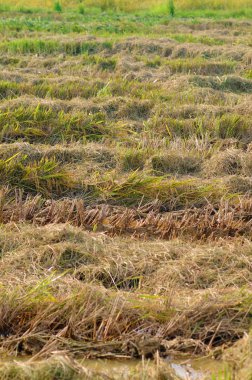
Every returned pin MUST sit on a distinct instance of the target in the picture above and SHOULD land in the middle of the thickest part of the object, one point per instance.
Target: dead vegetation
(94, 311)
(225, 219)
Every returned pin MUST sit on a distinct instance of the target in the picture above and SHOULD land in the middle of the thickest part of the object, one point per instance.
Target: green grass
(44, 176)
(114, 23)
(248, 74)
(174, 193)
(57, 6)
(43, 124)
(235, 126)
(197, 39)
(39, 46)
(200, 66)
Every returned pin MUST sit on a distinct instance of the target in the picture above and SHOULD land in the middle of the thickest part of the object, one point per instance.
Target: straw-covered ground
(125, 188)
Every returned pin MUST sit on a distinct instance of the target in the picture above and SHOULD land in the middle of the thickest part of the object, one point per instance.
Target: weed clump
(171, 8)
(57, 7)
(232, 126)
(82, 9)
(155, 62)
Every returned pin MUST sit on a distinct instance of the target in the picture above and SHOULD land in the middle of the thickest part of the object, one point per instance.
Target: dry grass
(125, 174)
(224, 163)
(223, 219)
(92, 312)
(239, 358)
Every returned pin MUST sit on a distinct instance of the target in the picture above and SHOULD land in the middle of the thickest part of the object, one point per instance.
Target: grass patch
(230, 83)
(137, 188)
(40, 124)
(229, 126)
(182, 38)
(175, 164)
(40, 46)
(44, 176)
(133, 160)
(200, 66)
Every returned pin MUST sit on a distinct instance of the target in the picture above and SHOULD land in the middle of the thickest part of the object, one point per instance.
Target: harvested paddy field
(125, 191)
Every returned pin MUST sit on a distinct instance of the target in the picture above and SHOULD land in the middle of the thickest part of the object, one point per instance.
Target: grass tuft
(57, 7)
(171, 8)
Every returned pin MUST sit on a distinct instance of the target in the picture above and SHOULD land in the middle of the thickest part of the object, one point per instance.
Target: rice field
(125, 189)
